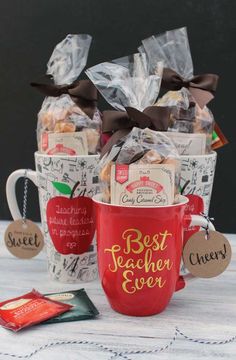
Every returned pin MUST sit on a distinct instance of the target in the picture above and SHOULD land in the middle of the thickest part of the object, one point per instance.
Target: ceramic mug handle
(195, 220)
(11, 189)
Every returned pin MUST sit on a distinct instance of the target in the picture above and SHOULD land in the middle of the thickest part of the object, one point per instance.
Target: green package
(83, 308)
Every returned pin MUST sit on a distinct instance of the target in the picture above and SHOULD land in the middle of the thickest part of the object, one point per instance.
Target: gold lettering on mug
(146, 245)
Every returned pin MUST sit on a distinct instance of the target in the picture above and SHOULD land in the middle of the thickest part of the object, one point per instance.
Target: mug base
(65, 280)
(137, 313)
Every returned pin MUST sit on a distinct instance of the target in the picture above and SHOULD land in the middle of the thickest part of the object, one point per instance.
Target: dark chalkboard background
(29, 30)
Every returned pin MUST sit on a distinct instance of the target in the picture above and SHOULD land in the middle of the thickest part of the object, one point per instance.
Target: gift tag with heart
(207, 255)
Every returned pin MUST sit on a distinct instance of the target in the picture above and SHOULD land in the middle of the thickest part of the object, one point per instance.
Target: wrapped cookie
(189, 94)
(68, 121)
(141, 169)
(129, 87)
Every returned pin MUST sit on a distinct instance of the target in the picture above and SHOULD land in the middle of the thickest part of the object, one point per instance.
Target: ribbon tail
(113, 120)
(87, 106)
(202, 97)
(84, 89)
(160, 117)
(47, 89)
(171, 80)
(139, 118)
(113, 140)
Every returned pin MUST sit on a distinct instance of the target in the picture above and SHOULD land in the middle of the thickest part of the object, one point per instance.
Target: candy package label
(82, 306)
(142, 185)
(188, 144)
(72, 143)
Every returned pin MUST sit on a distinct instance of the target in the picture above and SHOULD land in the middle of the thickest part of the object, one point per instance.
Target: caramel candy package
(146, 163)
(70, 106)
(187, 117)
(189, 94)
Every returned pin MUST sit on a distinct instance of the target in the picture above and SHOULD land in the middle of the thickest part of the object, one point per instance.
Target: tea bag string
(208, 219)
(25, 197)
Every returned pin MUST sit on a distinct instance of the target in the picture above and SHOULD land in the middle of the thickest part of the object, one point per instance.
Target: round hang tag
(24, 239)
(207, 256)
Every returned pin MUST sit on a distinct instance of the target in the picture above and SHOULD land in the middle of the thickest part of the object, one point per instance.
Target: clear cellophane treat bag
(129, 87)
(189, 94)
(127, 82)
(146, 159)
(141, 169)
(68, 121)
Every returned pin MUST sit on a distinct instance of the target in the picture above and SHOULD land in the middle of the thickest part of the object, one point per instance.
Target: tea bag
(29, 309)
(69, 121)
(82, 306)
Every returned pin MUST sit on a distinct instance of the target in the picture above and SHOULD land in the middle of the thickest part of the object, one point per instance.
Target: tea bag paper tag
(207, 256)
(24, 239)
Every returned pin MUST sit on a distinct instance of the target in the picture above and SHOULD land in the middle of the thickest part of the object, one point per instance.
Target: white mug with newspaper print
(66, 185)
(196, 183)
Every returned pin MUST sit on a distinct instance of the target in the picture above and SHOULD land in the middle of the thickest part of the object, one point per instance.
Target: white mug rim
(183, 201)
(211, 154)
(39, 154)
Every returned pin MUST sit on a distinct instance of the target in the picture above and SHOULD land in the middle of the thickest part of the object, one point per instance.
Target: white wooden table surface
(206, 310)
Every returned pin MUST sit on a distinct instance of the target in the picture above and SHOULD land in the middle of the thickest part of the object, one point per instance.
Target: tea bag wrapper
(82, 306)
(29, 309)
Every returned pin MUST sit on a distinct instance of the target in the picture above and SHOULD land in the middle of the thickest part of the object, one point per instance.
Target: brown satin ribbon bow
(202, 87)
(121, 122)
(82, 92)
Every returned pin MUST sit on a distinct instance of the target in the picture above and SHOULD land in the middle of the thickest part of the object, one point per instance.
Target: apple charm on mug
(70, 221)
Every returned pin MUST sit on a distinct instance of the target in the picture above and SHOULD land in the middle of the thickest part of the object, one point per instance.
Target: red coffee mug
(139, 254)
